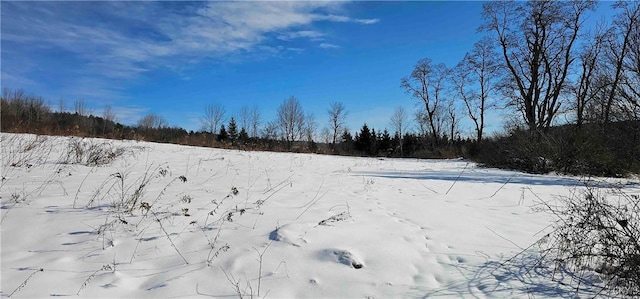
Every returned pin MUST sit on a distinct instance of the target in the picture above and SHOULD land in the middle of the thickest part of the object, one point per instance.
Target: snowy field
(103, 218)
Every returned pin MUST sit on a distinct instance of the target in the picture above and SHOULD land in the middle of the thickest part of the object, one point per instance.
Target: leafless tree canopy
(536, 40)
(474, 80)
(270, 130)
(62, 106)
(399, 122)
(80, 107)
(31, 107)
(108, 113)
(325, 135)
(310, 127)
(254, 120)
(244, 116)
(337, 118)
(589, 83)
(291, 120)
(623, 63)
(213, 116)
(427, 84)
(152, 121)
(452, 120)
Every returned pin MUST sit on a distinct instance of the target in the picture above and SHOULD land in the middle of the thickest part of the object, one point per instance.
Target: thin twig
(504, 238)
(86, 281)
(456, 180)
(260, 255)
(505, 183)
(24, 283)
(80, 187)
(169, 238)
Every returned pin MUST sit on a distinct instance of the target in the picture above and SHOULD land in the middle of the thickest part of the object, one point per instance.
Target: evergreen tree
(346, 141)
(395, 144)
(373, 148)
(384, 143)
(244, 136)
(233, 130)
(364, 141)
(410, 144)
(223, 135)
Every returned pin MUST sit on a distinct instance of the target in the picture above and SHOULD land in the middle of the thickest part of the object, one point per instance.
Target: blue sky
(174, 58)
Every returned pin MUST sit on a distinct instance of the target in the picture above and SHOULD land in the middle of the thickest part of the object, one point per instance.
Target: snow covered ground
(159, 220)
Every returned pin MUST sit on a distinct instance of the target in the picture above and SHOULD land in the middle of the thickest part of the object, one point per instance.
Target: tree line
(291, 130)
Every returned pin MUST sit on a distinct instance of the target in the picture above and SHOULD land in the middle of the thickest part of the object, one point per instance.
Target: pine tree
(364, 140)
(384, 142)
(396, 143)
(346, 141)
(373, 147)
(223, 135)
(233, 130)
(243, 136)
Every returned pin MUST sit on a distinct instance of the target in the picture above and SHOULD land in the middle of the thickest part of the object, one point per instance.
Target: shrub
(597, 234)
(90, 154)
(565, 149)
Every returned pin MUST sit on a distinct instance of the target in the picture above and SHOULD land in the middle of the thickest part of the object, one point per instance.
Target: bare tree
(152, 121)
(325, 134)
(213, 116)
(270, 131)
(427, 84)
(311, 126)
(108, 113)
(452, 120)
(536, 40)
(62, 106)
(80, 107)
(109, 117)
(337, 118)
(624, 56)
(31, 108)
(586, 88)
(291, 120)
(244, 115)
(254, 120)
(474, 80)
(421, 120)
(399, 122)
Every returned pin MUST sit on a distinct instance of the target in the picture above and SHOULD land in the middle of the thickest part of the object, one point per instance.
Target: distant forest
(573, 92)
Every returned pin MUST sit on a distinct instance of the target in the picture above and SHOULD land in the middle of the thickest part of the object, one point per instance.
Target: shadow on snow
(491, 177)
(523, 276)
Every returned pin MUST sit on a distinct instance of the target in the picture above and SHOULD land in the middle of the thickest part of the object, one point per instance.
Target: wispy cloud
(345, 19)
(19, 80)
(329, 46)
(115, 42)
(312, 35)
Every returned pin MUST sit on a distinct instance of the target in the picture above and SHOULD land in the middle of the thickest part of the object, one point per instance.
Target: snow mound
(293, 233)
(341, 256)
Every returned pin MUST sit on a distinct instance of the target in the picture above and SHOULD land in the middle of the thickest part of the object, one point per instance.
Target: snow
(218, 223)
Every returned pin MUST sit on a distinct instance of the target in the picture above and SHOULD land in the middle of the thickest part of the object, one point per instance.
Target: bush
(589, 150)
(519, 150)
(90, 154)
(596, 234)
